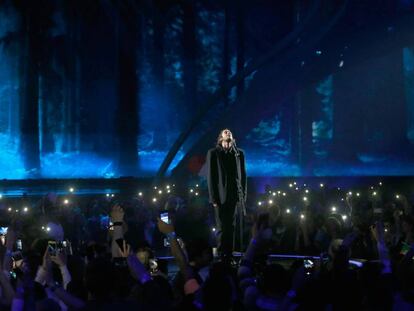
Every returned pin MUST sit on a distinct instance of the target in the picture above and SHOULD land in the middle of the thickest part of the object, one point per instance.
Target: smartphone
(166, 242)
(120, 243)
(164, 217)
(13, 275)
(404, 248)
(68, 247)
(308, 264)
(52, 247)
(3, 230)
(19, 245)
(153, 266)
(60, 245)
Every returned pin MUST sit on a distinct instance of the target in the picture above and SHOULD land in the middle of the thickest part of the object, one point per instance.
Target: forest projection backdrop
(104, 88)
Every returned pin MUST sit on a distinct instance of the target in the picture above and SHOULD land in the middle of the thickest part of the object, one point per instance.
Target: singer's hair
(220, 138)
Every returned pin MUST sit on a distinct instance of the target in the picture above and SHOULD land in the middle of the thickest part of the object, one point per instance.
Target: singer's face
(227, 135)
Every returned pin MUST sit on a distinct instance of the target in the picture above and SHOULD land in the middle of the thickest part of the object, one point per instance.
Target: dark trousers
(225, 225)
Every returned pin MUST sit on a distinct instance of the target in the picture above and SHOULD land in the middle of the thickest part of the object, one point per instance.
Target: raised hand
(47, 262)
(126, 249)
(117, 213)
(261, 231)
(60, 259)
(164, 227)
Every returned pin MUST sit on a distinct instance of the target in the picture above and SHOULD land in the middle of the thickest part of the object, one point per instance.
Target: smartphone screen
(166, 243)
(13, 275)
(52, 247)
(19, 245)
(164, 217)
(308, 265)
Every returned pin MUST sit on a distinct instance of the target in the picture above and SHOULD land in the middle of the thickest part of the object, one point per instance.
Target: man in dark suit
(226, 177)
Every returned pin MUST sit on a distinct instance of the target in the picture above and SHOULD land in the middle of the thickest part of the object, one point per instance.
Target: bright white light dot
(43, 227)
(270, 201)
(321, 185)
(344, 217)
(154, 199)
(302, 216)
(191, 190)
(66, 201)
(168, 186)
(306, 191)
(296, 188)
(107, 195)
(397, 196)
(112, 195)
(71, 189)
(168, 191)
(341, 64)
(9, 209)
(333, 209)
(197, 185)
(259, 203)
(294, 183)
(305, 199)
(349, 193)
(25, 209)
(374, 193)
(214, 229)
(140, 194)
(17, 211)
(290, 185)
(380, 183)
(358, 194)
(48, 229)
(1, 196)
(274, 194)
(288, 211)
(196, 193)
(284, 194)
(160, 191)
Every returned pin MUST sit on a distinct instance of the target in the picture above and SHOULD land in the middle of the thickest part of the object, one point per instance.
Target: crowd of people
(103, 254)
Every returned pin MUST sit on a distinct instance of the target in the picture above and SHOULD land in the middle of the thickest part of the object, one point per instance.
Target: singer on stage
(226, 177)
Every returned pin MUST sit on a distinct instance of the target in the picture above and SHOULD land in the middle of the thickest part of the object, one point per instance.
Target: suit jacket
(217, 177)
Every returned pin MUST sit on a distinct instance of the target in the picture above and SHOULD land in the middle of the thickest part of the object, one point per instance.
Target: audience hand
(60, 259)
(164, 227)
(126, 249)
(117, 213)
